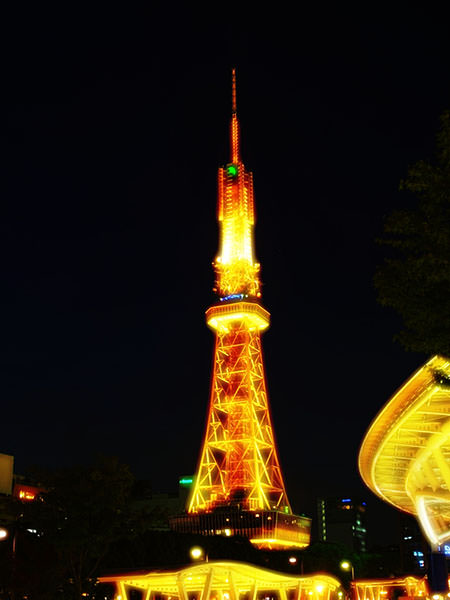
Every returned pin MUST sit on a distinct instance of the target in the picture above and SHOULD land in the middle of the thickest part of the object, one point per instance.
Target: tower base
(265, 529)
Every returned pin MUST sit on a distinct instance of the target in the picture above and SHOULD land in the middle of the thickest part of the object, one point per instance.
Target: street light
(293, 560)
(198, 553)
(346, 565)
(3, 534)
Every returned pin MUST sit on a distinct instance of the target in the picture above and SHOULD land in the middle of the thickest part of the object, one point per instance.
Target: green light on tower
(232, 170)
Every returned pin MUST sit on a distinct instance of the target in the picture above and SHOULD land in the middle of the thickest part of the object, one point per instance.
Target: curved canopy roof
(227, 577)
(405, 455)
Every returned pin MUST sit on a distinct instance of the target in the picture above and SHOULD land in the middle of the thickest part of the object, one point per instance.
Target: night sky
(113, 125)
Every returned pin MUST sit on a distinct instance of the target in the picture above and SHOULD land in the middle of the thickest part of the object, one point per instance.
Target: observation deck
(220, 316)
(405, 455)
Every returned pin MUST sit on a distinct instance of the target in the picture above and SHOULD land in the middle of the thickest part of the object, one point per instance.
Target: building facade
(342, 520)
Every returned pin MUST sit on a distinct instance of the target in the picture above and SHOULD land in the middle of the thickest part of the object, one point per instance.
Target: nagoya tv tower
(238, 487)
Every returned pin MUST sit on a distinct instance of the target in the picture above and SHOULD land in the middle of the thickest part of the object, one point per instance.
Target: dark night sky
(112, 128)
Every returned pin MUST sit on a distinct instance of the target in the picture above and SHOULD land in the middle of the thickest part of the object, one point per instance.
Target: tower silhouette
(238, 488)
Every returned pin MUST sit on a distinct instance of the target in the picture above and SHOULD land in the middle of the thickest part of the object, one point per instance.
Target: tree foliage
(82, 511)
(415, 279)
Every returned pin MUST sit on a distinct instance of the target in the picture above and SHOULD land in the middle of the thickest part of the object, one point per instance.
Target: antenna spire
(233, 91)
(234, 121)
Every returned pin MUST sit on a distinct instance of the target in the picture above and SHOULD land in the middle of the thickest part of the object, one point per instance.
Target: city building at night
(159, 506)
(238, 488)
(342, 520)
(413, 546)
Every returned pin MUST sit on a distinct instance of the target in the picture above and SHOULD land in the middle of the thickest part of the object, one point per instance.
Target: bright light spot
(3, 533)
(346, 565)
(228, 532)
(436, 596)
(319, 588)
(292, 560)
(26, 495)
(196, 552)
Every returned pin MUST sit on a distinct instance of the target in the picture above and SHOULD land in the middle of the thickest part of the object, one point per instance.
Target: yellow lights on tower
(239, 461)
(224, 317)
(239, 469)
(405, 455)
(236, 269)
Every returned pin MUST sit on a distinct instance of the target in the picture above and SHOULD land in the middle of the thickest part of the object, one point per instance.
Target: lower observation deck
(265, 529)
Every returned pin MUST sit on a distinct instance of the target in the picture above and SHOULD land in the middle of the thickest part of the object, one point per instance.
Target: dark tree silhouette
(83, 510)
(415, 279)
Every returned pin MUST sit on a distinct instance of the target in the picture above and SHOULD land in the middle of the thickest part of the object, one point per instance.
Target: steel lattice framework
(239, 462)
(239, 467)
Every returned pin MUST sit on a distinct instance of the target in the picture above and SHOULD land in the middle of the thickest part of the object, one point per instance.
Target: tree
(77, 519)
(415, 279)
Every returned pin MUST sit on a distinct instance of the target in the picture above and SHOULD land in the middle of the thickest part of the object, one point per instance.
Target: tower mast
(238, 487)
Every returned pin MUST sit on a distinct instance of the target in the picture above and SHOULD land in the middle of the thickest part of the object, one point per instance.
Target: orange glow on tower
(239, 469)
(235, 266)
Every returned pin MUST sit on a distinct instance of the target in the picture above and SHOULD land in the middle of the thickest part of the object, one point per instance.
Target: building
(414, 549)
(238, 487)
(343, 520)
(156, 508)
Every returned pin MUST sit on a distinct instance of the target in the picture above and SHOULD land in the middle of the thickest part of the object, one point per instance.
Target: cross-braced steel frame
(239, 463)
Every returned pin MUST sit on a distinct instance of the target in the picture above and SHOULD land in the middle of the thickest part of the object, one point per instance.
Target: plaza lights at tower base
(238, 488)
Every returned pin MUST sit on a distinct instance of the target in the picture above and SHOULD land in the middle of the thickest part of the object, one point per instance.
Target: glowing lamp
(196, 552)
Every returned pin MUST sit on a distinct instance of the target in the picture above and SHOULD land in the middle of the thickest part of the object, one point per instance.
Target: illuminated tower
(238, 488)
